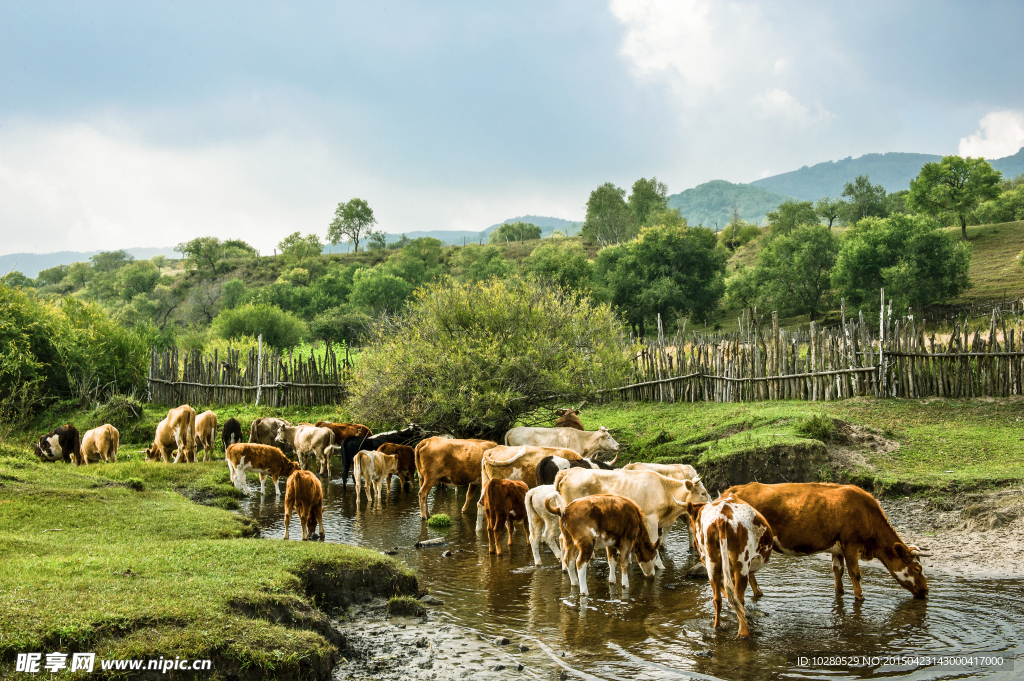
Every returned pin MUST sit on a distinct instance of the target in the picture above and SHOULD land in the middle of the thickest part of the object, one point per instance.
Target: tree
(790, 215)
(232, 293)
(204, 301)
(609, 220)
(866, 200)
(376, 240)
(475, 359)
(911, 256)
(954, 186)
(647, 198)
(738, 232)
(52, 275)
(138, 277)
(564, 263)
(339, 325)
(830, 210)
(108, 261)
(376, 291)
(514, 231)
(479, 263)
(741, 289)
(1006, 207)
(280, 329)
(79, 274)
(351, 221)
(417, 263)
(297, 248)
(203, 253)
(793, 270)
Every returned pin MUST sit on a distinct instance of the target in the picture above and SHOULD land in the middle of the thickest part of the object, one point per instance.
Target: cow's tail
(723, 546)
(116, 442)
(504, 462)
(506, 436)
(557, 509)
(254, 428)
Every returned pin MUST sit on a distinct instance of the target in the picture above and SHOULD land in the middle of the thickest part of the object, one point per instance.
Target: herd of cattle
(550, 480)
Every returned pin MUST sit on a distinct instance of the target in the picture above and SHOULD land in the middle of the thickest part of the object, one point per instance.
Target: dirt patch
(851, 445)
(803, 462)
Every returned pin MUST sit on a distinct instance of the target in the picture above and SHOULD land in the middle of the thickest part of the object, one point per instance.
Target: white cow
(586, 443)
(373, 468)
(543, 523)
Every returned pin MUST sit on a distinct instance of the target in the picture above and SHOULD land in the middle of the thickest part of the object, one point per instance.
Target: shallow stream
(661, 627)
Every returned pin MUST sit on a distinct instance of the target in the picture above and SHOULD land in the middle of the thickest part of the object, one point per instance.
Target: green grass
(439, 520)
(979, 441)
(89, 563)
(995, 270)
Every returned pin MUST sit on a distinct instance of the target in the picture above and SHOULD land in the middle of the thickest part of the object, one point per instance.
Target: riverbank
(118, 560)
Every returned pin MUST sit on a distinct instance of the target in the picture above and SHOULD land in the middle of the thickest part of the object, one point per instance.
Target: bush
(120, 411)
(280, 329)
(339, 325)
(439, 520)
(473, 359)
(564, 263)
(818, 427)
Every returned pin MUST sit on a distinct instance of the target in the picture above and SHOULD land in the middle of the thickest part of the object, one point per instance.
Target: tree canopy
(865, 200)
(792, 272)
(954, 186)
(790, 215)
(514, 231)
(351, 221)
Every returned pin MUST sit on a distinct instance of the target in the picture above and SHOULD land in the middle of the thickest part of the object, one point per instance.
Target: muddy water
(660, 628)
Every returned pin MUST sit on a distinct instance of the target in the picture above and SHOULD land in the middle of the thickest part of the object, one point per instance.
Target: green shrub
(439, 520)
(405, 605)
(120, 411)
(280, 329)
(818, 427)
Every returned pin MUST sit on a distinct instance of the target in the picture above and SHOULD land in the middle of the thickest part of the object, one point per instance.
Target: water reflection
(660, 628)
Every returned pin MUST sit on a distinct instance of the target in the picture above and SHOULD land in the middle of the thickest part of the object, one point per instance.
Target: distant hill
(711, 203)
(30, 264)
(455, 237)
(893, 170)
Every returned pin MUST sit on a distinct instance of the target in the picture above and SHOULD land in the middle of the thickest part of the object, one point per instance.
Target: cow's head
(563, 412)
(603, 441)
(693, 492)
(152, 453)
(693, 515)
(903, 562)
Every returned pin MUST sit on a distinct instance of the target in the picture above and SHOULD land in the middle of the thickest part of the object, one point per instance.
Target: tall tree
(351, 220)
(954, 186)
(647, 198)
(297, 247)
(609, 219)
(865, 200)
(792, 272)
(514, 231)
(790, 215)
(830, 210)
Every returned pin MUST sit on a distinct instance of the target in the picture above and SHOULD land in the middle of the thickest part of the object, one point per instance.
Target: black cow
(232, 433)
(411, 436)
(63, 442)
(547, 469)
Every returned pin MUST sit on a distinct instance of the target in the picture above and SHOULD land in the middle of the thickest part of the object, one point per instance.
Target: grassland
(116, 559)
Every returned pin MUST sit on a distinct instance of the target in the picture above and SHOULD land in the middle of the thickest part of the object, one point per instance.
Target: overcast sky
(147, 124)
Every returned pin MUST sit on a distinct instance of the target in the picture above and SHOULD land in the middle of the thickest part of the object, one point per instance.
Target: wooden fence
(893, 357)
(259, 377)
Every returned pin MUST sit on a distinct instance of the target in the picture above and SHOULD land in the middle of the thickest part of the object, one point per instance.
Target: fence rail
(893, 357)
(260, 377)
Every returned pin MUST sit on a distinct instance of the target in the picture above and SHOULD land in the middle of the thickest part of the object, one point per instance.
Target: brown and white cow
(176, 431)
(734, 541)
(265, 430)
(504, 501)
(305, 495)
(100, 443)
(844, 520)
(604, 521)
(262, 459)
(568, 418)
(514, 463)
(586, 443)
(662, 500)
(676, 471)
(206, 434)
(405, 462)
(307, 442)
(543, 523)
(452, 462)
(373, 469)
(63, 442)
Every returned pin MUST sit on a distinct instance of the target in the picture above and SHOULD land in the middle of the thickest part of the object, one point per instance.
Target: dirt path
(973, 535)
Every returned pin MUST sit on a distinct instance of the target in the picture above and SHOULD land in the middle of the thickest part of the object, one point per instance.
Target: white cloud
(1001, 134)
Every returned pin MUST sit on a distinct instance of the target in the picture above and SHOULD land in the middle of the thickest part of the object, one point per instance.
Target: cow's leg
(287, 518)
(277, 490)
(753, 585)
(652, 531)
(740, 582)
(535, 540)
(613, 559)
(320, 519)
(263, 484)
(554, 539)
(625, 551)
(716, 597)
(304, 521)
(852, 555)
(838, 564)
(511, 527)
(492, 540)
(469, 495)
(569, 556)
(582, 561)
(423, 493)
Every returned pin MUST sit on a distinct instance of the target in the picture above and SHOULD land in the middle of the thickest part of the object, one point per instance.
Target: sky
(128, 124)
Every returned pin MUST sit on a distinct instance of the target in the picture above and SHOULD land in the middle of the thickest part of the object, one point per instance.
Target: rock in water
(431, 600)
(501, 641)
(437, 541)
(698, 571)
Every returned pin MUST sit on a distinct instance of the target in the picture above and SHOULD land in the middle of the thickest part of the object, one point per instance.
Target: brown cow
(453, 462)
(734, 541)
(262, 459)
(603, 521)
(846, 521)
(176, 431)
(305, 495)
(405, 459)
(100, 443)
(515, 463)
(206, 434)
(343, 431)
(503, 501)
(568, 418)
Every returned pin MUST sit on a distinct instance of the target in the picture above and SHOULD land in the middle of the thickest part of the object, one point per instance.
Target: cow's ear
(693, 510)
(901, 551)
(688, 484)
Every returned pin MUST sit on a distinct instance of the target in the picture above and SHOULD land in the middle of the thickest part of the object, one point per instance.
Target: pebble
(497, 667)
(698, 571)
(437, 541)
(523, 647)
(431, 600)
(501, 641)
(447, 554)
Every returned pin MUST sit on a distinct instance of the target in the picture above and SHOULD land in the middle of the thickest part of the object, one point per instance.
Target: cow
(263, 459)
(676, 471)
(543, 524)
(453, 462)
(734, 541)
(176, 431)
(305, 495)
(405, 462)
(503, 502)
(410, 436)
(63, 442)
(100, 443)
(662, 499)
(606, 521)
(844, 520)
(343, 431)
(514, 463)
(265, 430)
(206, 434)
(549, 466)
(374, 468)
(568, 418)
(309, 441)
(231, 433)
(586, 443)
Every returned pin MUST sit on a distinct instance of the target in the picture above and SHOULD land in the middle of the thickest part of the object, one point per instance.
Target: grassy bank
(117, 560)
(944, 445)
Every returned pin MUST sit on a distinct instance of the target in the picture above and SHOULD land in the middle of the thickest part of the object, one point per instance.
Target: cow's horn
(696, 480)
(612, 462)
